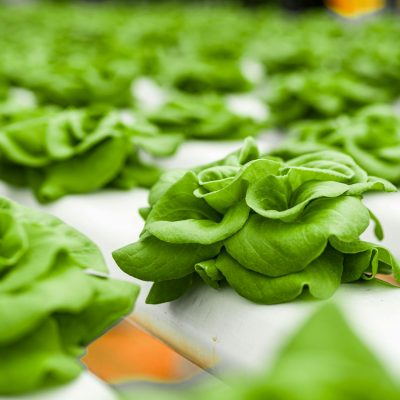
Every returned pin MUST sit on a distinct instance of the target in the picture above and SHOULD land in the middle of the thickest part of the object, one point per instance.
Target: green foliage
(371, 137)
(320, 94)
(321, 67)
(271, 229)
(58, 152)
(85, 55)
(63, 63)
(203, 117)
(52, 303)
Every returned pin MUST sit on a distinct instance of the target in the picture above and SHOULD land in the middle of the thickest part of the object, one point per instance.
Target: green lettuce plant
(74, 63)
(55, 298)
(379, 62)
(194, 75)
(371, 137)
(287, 45)
(319, 94)
(270, 229)
(203, 117)
(80, 151)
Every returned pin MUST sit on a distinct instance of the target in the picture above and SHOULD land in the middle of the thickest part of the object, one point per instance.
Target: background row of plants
(116, 82)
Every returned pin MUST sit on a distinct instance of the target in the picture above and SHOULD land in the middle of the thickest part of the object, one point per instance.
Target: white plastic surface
(86, 387)
(219, 330)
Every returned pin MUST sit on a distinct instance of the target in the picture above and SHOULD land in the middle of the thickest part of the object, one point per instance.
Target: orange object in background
(355, 8)
(127, 353)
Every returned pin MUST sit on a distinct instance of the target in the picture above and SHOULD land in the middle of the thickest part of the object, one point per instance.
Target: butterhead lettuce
(80, 151)
(271, 229)
(203, 117)
(320, 94)
(54, 299)
(371, 137)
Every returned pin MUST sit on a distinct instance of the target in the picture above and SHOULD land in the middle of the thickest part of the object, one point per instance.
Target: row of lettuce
(43, 147)
(94, 88)
(84, 55)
